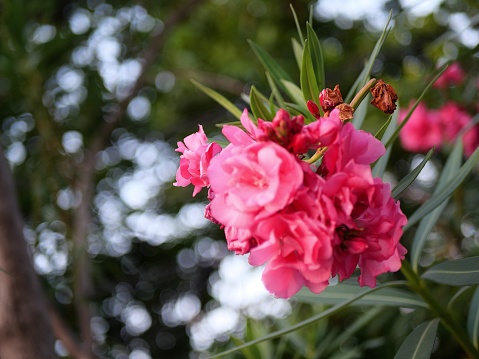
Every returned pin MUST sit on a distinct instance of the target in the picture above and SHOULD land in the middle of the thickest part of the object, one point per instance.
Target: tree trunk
(25, 329)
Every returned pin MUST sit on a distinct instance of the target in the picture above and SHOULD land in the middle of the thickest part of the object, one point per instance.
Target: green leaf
(456, 272)
(411, 110)
(326, 313)
(410, 177)
(316, 57)
(298, 52)
(257, 105)
(445, 192)
(295, 93)
(274, 91)
(379, 135)
(419, 344)
(450, 170)
(360, 114)
(300, 33)
(473, 319)
(380, 165)
(347, 290)
(309, 86)
(223, 101)
(364, 76)
(276, 71)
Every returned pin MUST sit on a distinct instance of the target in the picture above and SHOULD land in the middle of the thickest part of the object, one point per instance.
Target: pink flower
(471, 140)
(422, 131)
(297, 250)
(352, 146)
(454, 75)
(453, 120)
(194, 161)
(289, 132)
(368, 230)
(252, 182)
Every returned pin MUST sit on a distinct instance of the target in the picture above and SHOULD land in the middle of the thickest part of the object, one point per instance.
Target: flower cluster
(440, 127)
(306, 222)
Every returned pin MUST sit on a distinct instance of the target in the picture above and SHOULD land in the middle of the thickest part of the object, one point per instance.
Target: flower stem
(362, 93)
(317, 155)
(448, 321)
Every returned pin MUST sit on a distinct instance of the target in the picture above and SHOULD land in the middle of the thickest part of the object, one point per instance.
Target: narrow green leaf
(450, 170)
(295, 93)
(298, 52)
(379, 135)
(223, 101)
(274, 91)
(277, 73)
(300, 33)
(343, 291)
(316, 57)
(295, 109)
(473, 319)
(309, 87)
(456, 272)
(257, 105)
(411, 110)
(380, 166)
(326, 313)
(449, 187)
(360, 113)
(410, 177)
(419, 344)
(364, 76)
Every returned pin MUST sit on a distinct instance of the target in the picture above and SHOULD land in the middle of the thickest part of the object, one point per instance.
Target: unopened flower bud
(313, 108)
(345, 112)
(384, 97)
(329, 99)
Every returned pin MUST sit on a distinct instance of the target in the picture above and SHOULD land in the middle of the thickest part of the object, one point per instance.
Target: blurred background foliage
(93, 97)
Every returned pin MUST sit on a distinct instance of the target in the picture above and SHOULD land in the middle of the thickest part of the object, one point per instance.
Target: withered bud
(329, 99)
(345, 112)
(384, 97)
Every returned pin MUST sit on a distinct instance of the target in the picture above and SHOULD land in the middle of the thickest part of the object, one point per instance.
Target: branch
(82, 282)
(63, 332)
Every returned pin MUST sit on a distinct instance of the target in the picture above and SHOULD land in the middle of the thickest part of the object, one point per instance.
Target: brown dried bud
(345, 112)
(329, 99)
(384, 97)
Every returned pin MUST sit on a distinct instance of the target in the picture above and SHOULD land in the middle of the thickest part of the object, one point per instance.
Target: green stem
(362, 93)
(448, 321)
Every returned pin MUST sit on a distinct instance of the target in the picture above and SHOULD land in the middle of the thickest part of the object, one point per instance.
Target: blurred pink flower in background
(423, 131)
(453, 76)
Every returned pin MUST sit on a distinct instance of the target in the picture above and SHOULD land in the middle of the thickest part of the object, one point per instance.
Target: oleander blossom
(194, 161)
(305, 223)
(429, 128)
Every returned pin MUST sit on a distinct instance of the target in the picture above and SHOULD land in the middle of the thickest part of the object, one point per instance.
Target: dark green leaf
(309, 87)
(276, 71)
(455, 272)
(223, 101)
(347, 290)
(258, 107)
(360, 114)
(419, 344)
(410, 177)
(326, 313)
(316, 57)
(298, 52)
(450, 170)
(473, 319)
(381, 163)
(379, 135)
(445, 192)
